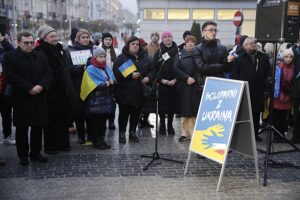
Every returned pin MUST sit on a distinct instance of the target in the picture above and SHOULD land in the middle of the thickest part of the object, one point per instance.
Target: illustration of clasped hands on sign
(210, 142)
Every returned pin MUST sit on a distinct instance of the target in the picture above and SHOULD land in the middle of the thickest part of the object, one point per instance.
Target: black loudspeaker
(277, 20)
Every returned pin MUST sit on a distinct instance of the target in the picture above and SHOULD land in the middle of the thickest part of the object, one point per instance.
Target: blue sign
(216, 117)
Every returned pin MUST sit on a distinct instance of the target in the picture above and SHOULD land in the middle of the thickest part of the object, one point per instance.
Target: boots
(162, 128)
(171, 130)
(122, 138)
(133, 137)
(144, 121)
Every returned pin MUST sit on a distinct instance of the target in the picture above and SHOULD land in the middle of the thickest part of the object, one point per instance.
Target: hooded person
(133, 71)
(61, 94)
(153, 46)
(167, 103)
(111, 56)
(82, 43)
(72, 41)
(98, 99)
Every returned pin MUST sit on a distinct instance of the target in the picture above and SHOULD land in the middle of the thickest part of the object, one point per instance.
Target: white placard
(80, 57)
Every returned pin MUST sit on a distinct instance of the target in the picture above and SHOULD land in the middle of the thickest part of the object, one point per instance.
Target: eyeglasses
(212, 30)
(28, 42)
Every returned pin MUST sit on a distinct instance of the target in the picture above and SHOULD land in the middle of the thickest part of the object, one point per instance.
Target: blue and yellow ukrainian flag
(93, 77)
(127, 68)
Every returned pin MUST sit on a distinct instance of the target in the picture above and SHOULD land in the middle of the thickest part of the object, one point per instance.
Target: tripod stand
(271, 130)
(155, 156)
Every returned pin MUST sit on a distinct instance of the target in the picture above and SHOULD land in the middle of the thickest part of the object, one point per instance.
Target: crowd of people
(49, 92)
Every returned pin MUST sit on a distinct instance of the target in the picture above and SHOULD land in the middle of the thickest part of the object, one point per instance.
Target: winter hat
(142, 42)
(44, 30)
(186, 33)
(154, 33)
(106, 35)
(286, 52)
(131, 39)
(165, 34)
(242, 39)
(74, 31)
(96, 36)
(82, 32)
(97, 51)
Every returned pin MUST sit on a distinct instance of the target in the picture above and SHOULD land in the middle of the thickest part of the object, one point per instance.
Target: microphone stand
(155, 156)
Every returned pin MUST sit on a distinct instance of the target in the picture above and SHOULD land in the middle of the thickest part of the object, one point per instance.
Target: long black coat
(255, 73)
(61, 94)
(167, 102)
(188, 95)
(130, 91)
(24, 71)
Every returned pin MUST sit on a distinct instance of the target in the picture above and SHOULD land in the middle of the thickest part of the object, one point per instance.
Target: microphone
(164, 57)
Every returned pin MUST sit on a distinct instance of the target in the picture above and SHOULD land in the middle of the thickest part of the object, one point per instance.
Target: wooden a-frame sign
(224, 122)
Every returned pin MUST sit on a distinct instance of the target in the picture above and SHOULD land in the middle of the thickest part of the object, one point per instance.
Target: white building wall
(177, 27)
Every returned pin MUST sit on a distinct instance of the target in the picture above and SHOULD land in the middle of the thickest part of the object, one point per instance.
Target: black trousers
(279, 120)
(131, 113)
(97, 125)
(22, 141)
(256, 122)
(56, 133)
(81, 122)
(6, 114)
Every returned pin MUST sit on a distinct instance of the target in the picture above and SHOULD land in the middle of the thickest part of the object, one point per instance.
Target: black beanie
(186, 33)
(242, 39)
(106, 35)
(74, 31)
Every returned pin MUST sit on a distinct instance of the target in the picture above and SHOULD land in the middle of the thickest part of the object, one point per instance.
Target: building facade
(178, 16)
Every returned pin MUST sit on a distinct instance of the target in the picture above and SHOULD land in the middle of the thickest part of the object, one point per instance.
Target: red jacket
(284, 101)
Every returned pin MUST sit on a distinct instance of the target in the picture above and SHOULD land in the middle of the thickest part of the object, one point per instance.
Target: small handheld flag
(127, 68)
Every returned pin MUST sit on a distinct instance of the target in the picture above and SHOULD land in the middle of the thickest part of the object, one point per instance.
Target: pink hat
(165, 34)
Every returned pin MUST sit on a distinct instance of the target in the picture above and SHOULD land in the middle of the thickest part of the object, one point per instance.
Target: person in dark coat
(61, 95)
(189, 89)
(212, 56)
(167, 103)
(129, 91)
(253, 66)
(28, 72)
(83, 42)
(99, 100)
(5, 99)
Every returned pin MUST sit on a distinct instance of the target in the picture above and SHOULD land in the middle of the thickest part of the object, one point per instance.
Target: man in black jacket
(28, 72)
(212, 56)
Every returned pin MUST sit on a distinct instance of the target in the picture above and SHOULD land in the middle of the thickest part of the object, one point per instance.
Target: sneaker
(183, 138)
(88, 143)
(8, 140)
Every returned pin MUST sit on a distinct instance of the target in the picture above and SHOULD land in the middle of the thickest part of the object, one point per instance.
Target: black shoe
(183, 138)
(171, 130)
(51, 152)
(24, 161)
(111, 126)
(103, 143)
(99, 146)
(39, 158)
(122, 138)
(66, 149)
(81, 141)
(258, 139)
(133, 137)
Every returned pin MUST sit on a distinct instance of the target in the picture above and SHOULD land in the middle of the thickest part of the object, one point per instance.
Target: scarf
(97, 64)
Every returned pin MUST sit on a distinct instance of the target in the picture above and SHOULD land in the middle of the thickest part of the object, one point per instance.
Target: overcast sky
(130, 5)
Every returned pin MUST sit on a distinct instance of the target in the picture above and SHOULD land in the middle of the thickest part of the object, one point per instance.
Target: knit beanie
(74, 31)
(242, 39)
(44, 30)
(286, 52)
(82, 32)
(154, 33)
(106, 35)
(165, 34)
(97, 51)
(96, 36)
(186, 33)
(142, 42)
